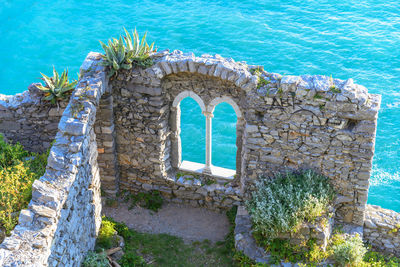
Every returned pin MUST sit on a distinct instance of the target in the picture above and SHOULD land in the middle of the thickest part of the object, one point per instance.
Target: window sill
(218, 172)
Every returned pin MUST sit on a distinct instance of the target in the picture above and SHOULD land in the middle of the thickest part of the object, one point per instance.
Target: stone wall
(27, 119)
(382, 229)
(286, 122)
(63, 217)
(127, 131)
(142, 111)
(314, 122)
(105, 136)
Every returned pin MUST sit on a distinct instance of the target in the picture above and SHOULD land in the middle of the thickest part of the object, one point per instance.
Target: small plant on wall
(57, 87)
(127, 51)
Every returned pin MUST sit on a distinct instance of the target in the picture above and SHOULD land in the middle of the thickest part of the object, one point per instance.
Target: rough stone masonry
(289, 122)
(127, 135)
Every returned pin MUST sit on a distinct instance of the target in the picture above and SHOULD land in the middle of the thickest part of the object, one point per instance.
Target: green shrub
(376, 259)
(348, 250)
(57, 87)
(130, 259)
(18, 170)
(281, 204)
(107, 235)
(11, 155)
(94, 259)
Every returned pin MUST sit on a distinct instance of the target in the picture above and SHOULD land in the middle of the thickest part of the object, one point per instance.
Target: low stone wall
(195, 191)
(320, 231)
(63, 217)
(29, 120)
(382, 229)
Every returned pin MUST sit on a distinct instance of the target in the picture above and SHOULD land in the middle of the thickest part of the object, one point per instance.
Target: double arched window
(208, 112)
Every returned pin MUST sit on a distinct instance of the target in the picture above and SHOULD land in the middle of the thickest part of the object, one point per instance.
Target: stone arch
(211, 65)
(226, 70)
(211, 91)
(239, 126)
(191, 94)
(227, 99)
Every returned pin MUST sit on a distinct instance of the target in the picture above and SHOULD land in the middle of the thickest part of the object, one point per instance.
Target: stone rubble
(382, 229)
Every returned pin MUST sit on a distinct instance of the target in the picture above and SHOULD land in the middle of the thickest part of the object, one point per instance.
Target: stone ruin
(124, 134)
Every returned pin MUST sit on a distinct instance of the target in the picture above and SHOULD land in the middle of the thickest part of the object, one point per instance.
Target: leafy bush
(107, 235)
(126, 51)
(57, 87)
(375, 259)
(348, 250)
(281, 204)
(94, 259)
(131, 259)
(18, 170)
(11, 154)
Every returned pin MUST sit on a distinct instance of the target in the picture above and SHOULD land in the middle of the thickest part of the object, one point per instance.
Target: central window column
(209, 116)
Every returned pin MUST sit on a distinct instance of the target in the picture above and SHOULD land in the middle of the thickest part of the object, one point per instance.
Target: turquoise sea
(357, 39)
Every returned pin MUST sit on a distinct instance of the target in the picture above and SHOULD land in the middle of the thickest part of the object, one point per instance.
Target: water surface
(358, 39)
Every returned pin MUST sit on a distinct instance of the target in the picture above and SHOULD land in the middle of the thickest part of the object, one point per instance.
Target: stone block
(72, 126)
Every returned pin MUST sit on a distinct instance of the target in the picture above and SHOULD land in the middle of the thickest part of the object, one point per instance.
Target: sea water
(357, 39)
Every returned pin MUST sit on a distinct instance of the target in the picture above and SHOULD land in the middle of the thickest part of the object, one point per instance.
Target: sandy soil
(189, 223)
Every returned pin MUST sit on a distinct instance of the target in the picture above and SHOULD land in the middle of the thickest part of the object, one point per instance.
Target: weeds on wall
(18, 170)
(151, 200)
(57, 87)
(261, 80)
(127, 51)
(333, 88)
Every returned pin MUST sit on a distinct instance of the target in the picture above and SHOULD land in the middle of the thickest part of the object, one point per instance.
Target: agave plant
(57, 87)
(123, 52)
(116, 56)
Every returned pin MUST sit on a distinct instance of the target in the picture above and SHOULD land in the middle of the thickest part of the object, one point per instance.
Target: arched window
(175, 123)
(177, 139)
(193, 135)
(224, 137)
(220, 171)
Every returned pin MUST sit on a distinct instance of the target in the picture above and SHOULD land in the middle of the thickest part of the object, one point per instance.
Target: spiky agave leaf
(48, 81)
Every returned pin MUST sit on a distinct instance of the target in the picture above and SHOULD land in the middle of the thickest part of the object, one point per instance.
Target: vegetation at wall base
(18, 170)
(94, 259)
(143, 249)
(281, 204)
(343, 250)
(58, 87)
(127, 51)
(151, 200)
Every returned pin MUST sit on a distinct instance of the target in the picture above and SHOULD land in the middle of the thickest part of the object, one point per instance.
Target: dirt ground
(189, 223)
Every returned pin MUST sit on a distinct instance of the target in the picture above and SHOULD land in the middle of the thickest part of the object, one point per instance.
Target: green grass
(143, 249)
